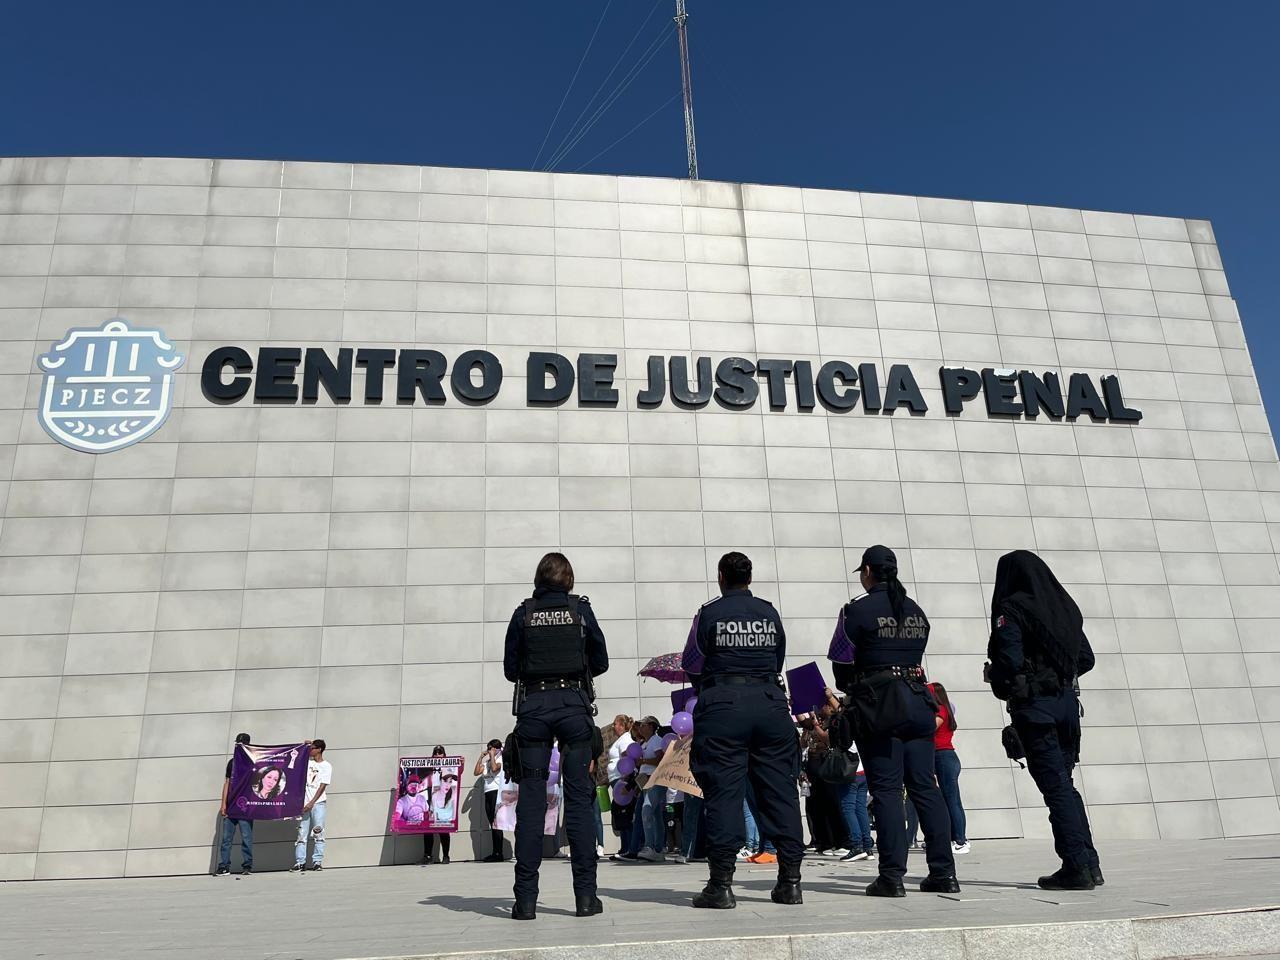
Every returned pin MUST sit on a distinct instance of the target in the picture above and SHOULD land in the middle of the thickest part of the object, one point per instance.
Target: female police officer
(554, 647)
(876, 650)
(1037, 651)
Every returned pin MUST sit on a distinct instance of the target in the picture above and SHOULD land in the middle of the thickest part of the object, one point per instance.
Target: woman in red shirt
(946, 765)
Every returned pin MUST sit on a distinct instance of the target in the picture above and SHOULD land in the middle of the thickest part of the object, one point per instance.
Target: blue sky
(1153, 107)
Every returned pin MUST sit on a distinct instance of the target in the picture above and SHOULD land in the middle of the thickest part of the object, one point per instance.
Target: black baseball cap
(878, 556)
(243, 738)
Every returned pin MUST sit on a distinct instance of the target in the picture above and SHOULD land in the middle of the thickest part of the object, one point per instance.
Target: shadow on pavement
(497, 907)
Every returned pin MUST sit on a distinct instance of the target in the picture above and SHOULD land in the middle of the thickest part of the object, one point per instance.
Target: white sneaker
(837, 852)
(745, 853)
(652, 855)
(599, 850)
(821, 853)
(679, 858)
(959, 848)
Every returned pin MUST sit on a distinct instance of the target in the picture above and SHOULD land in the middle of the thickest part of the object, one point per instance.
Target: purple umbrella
(667, 668)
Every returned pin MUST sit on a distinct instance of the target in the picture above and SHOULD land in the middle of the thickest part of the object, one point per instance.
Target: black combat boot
(718, 893)
(524, 910)
(1068, 878)
(588, 905)
(884, 887)
(787, 889)
(932, 884)
(1096, 872)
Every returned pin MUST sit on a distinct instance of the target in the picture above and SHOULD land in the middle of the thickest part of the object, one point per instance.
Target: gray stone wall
(347, 571)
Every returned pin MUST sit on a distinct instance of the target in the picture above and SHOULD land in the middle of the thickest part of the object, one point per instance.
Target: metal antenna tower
(686, 82)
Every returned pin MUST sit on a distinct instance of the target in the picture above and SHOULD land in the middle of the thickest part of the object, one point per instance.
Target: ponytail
(887, 573)
(897, 596)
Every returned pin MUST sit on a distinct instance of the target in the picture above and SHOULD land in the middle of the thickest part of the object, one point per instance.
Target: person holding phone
(489, 766)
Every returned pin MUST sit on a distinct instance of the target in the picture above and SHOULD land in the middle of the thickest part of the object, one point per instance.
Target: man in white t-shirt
(311, 824)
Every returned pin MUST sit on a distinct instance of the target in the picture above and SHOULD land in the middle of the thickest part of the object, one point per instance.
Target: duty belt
(901, 671)
(738, 679)
(535, 686)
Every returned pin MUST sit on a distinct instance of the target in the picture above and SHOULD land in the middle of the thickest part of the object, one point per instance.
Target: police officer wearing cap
(876, 650)
(1037, 652)
(554, 648)
(743, 729)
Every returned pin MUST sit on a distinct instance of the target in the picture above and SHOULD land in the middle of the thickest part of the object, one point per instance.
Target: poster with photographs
(427, 795)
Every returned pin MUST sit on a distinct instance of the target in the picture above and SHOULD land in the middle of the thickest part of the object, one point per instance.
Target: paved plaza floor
(409, 911)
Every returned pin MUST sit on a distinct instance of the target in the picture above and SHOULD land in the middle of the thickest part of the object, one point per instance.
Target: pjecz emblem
(107, 388)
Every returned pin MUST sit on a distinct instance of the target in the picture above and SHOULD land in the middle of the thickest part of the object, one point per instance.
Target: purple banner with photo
(268, 783)
(808, 689)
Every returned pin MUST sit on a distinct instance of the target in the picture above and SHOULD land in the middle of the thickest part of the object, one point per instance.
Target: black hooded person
(876, 649)
(554, 648)
(1037, 652)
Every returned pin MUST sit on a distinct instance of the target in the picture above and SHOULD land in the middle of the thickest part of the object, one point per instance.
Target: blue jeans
(690, 830)
(946, 763)
(311, 825)
(853, 807)
(654, 815)
(753, 833)
(762, 843)
(635, 840)
(229, 825)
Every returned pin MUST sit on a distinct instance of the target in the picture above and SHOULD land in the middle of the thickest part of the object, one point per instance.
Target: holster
(511, 764)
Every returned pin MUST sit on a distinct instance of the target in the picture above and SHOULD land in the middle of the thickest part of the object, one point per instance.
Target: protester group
(650, 823)
(870, 764)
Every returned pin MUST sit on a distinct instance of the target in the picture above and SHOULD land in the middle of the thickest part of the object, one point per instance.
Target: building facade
(283, 442)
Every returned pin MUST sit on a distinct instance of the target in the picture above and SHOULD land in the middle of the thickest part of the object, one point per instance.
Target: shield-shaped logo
(105, 389)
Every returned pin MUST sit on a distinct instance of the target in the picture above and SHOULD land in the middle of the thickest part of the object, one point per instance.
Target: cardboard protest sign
(268, 783)
(673, 769)
(807, 689)
(428, 791)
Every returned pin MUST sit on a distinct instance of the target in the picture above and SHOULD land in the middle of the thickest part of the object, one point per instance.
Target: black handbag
(838, 766)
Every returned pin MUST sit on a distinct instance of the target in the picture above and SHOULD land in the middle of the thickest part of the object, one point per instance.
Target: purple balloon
(553, 778)
(670, 737)
(635, 751)
(621, 794)
(682, 723)
(626, 766)
(690, 704)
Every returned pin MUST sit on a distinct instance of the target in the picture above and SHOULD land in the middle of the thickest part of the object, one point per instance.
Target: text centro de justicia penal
(291, 374)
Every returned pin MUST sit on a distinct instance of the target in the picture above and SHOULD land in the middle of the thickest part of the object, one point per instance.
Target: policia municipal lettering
(554, 648)
(1037, 652)
(743, 730)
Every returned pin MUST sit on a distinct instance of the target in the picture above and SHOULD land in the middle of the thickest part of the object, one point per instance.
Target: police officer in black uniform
(876, 650)
(554, 648)
(742, 728)
(1037, 651)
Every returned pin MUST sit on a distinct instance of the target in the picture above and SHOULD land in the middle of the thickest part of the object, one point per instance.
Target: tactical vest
(740, 634)
(555, 645)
